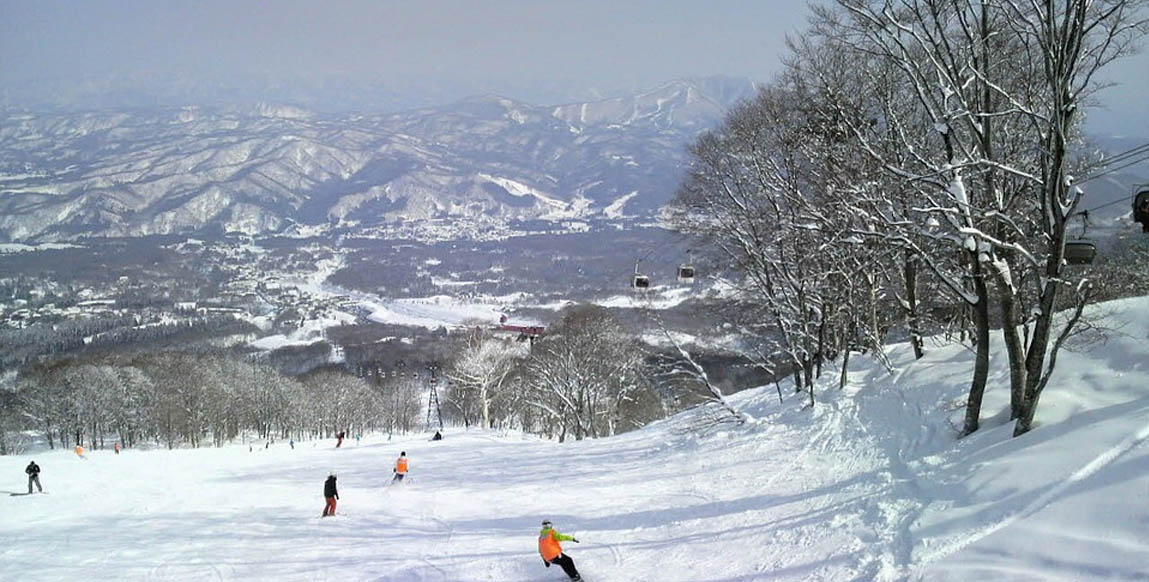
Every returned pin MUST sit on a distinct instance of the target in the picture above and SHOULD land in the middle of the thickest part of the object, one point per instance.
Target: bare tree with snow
(481, 369)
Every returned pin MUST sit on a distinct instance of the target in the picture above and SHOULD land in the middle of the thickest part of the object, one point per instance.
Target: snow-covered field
(23, 248)
(871, 484)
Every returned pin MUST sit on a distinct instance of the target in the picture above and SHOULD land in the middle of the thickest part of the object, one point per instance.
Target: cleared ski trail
(871, 484)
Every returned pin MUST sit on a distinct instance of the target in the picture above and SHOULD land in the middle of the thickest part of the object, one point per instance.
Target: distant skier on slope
(339, 439)
(33, 471)
(400, 469)
(552, 551)
(330, 493)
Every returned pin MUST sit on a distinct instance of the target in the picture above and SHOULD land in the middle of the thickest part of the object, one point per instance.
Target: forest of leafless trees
(912, 170)
(192, 398)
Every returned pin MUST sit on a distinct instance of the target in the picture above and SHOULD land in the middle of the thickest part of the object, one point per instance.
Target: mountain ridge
(260, 168)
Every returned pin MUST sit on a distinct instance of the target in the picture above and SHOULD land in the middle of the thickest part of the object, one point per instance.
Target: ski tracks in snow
(887, 549)
(1099, 462)
(882, 523)
(617, 555)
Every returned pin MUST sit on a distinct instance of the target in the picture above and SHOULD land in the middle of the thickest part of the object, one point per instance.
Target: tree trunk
(1015, 348)
(809, 372)
(844, 377)
(486, 408)
(1042, 327)
(1043, 324)
(875, 327)
(821, 347)
(981, 360)
(913, 319)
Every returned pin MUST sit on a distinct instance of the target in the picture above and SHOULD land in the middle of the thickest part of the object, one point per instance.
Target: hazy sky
(509, 46)
(595, 43)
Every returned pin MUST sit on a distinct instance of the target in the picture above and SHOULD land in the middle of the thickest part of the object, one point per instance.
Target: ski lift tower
(433, 397)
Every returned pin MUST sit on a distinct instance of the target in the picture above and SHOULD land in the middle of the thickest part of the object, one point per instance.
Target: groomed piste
(870, 484)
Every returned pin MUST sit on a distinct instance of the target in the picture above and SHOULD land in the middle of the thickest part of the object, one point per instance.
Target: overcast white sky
(605, 44)
(514, 47)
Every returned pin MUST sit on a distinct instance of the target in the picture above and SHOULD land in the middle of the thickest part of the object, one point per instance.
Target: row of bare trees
(914, 163)
(185, 398)
(588, 377)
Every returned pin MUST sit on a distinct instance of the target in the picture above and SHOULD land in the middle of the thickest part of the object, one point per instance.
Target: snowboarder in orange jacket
(552, 551)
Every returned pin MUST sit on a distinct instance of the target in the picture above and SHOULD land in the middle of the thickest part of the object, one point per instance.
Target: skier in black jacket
(33, 471)
(331, 493)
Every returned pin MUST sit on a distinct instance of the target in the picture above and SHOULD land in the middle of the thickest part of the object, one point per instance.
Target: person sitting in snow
(33, 471)
(552, 551)
(438, 436)
(400, 469)
(330, 493)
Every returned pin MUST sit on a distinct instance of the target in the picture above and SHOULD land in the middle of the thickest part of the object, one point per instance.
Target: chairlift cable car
(1140, 198)
(686, 273)
(1141, 205)
(1081, 251)
(686, 270)
(639, 281)
(1140, 195)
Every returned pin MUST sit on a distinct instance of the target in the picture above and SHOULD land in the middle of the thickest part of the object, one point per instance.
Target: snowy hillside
(870, 484)
(265, 168)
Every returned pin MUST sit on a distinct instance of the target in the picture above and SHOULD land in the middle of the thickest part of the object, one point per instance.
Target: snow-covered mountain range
(266, 168)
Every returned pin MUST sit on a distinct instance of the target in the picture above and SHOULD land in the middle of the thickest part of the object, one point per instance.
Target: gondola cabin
(686, 274)
(1141, 205)
(639, 282)
(1080, 252)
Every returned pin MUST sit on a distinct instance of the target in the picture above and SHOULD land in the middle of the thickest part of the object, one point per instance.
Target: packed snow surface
(433, 312)
(869, 484)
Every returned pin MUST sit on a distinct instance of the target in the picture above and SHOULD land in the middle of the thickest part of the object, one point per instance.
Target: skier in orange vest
(552, 551)
(400, 469)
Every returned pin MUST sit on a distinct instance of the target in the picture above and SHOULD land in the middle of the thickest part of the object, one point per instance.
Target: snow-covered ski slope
(871, 484)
